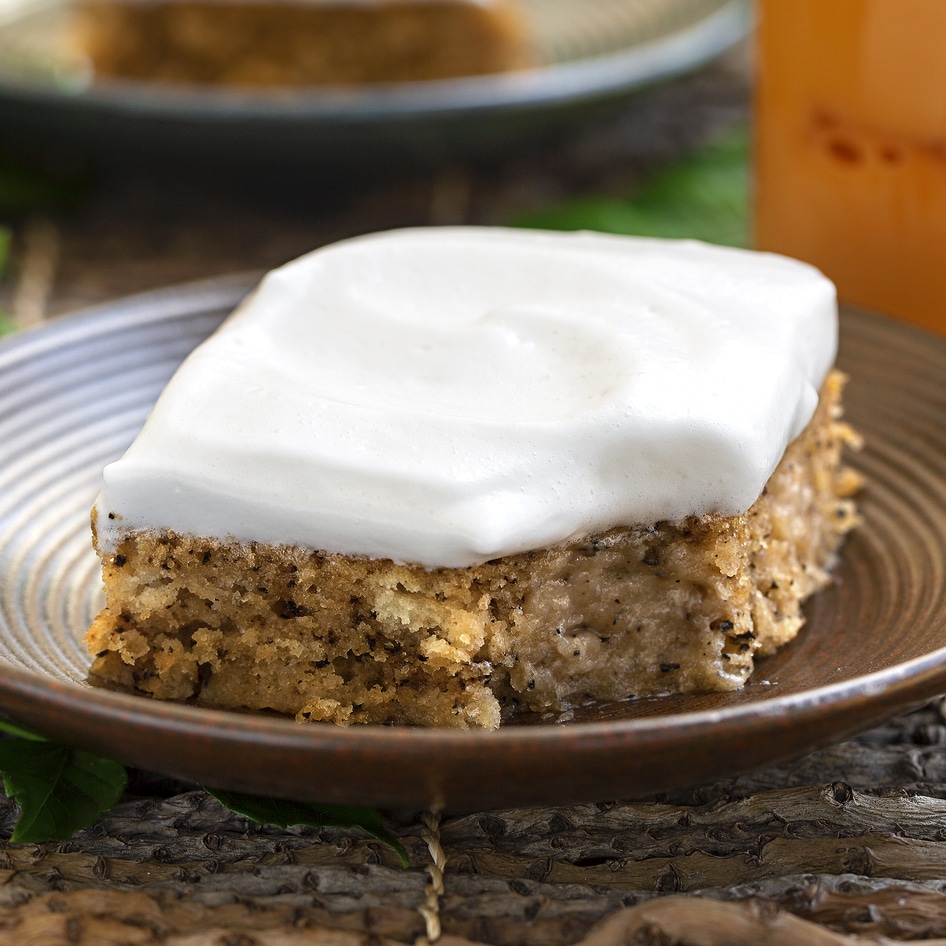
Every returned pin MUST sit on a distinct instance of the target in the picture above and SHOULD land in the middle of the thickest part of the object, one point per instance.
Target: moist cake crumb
(627, 612)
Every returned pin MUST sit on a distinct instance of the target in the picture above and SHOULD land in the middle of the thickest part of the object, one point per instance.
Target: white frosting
(447, 396)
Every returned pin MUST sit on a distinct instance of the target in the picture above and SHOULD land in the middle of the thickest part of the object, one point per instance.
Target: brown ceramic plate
(73, 394)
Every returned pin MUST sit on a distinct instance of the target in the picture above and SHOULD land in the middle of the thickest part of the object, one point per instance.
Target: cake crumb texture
(637, 611)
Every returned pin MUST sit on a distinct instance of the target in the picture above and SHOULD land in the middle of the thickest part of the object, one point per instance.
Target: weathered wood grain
(849, 842)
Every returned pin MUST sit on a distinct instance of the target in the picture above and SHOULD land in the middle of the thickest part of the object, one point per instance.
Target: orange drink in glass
(850, 147)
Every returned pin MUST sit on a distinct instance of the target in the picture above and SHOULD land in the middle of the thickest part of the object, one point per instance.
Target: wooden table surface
(845, 846)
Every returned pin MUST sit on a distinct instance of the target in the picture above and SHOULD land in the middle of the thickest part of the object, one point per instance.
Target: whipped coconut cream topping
(448, 396)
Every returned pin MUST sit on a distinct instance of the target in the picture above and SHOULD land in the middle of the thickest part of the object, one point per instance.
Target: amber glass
(850, 147)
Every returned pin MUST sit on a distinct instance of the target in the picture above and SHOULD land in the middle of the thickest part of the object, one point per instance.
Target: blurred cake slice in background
(271, 43)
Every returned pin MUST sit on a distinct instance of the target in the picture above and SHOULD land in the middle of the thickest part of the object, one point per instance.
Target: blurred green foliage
(25, 190)
(6, 324)
(704, 196)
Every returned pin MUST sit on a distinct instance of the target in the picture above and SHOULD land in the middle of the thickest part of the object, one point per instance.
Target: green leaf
(282, 814)
(703, 197)
(24, 189)
(13, 730)
(6, 323)
(60, 790)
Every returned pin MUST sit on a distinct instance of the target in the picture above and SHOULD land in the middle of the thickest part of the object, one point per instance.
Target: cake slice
(272, 43)
(437, 476)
